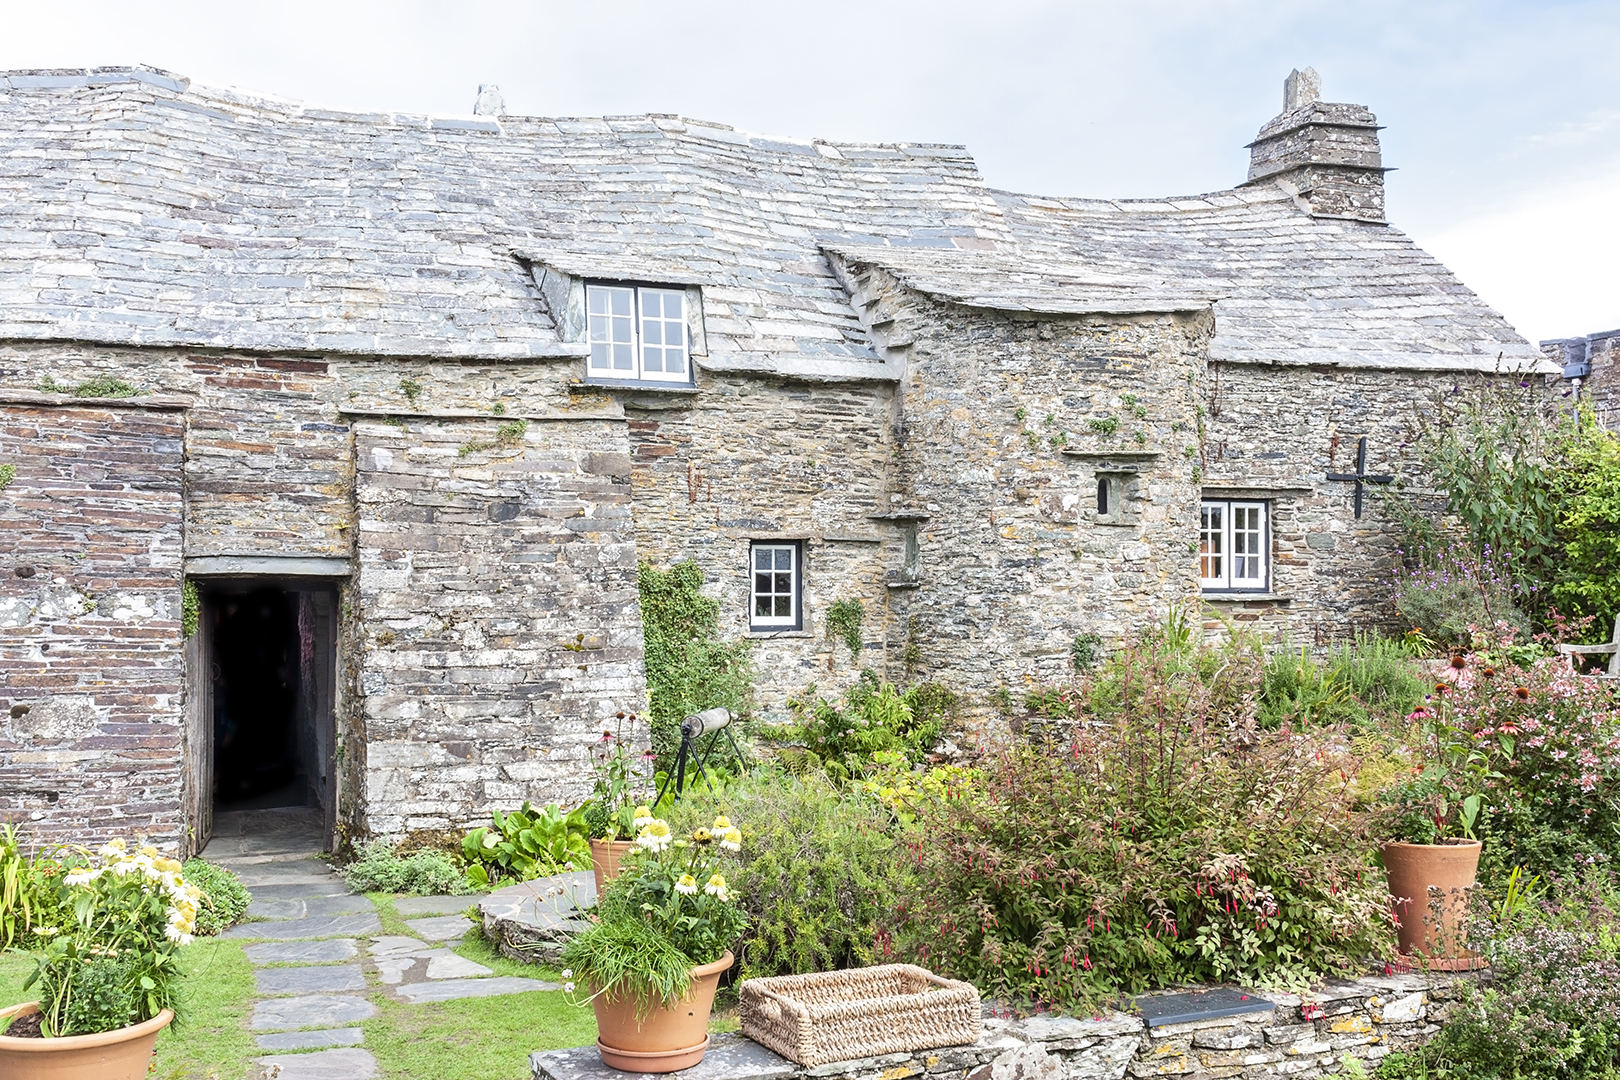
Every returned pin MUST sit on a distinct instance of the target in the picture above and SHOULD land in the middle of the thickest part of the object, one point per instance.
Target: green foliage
(1450, 594)
(525, 844)
(379, 868)
(844, 618)
(875, 716)
(190, 608)
(609, 813)
(819, 873)
(8, 473)
(1589, 523)
(224, 897)
(103, 993)
(1364, 681)
(1086, 650)
(670, 909)
(1104, 426)
(102, 386)
(512, 431)
(411, 388)
(1175, 841)
(689, 668)
(19, 888)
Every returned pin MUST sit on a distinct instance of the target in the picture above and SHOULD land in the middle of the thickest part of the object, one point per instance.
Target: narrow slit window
(1103, 504)
(775, 586)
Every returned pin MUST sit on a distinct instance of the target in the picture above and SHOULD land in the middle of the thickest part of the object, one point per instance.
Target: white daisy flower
(655, 835)
(687, 886)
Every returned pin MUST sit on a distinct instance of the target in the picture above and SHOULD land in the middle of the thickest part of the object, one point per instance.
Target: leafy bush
(689, 668)
(1451, 592)
(1174, 841)
(1552, 1010)
(1589, 522)
(224, 898)
(875, 717)
(379, 868)
(98, 993)
(819, 872)
(526, 844)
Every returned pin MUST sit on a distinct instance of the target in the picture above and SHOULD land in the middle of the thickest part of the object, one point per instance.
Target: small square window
(775, 589)
(1234, 546)
(638, 333)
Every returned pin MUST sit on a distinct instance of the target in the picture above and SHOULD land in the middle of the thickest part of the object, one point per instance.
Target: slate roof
(136, 208)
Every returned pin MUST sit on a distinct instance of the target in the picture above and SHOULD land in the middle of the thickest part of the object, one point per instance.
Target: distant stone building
(1592, 364)
(388, 408)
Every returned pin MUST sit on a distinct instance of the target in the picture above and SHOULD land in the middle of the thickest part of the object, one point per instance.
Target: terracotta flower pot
(111, 1055)
(605, 856)
(666, 1040)
(1428, 884)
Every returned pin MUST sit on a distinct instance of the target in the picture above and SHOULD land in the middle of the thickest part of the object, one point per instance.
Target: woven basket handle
(768, 1008)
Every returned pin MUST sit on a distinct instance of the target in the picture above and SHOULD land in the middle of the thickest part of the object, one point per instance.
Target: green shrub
(526, 844)
(875, 717)
(379, 868)
(1369, 679)
(1449, 595)
(104, 994)
(224, 898)
(1172, 842)
(819, 873)
(689, 668)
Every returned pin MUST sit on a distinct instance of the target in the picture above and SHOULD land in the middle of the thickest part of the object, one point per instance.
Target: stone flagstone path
(312, 947)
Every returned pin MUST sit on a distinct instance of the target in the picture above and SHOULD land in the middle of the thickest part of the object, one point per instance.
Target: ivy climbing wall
(90, 641)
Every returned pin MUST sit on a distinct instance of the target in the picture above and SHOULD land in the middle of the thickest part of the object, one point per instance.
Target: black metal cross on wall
(1361, 476)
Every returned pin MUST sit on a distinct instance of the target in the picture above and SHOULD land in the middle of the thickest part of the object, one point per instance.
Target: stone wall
(496, 625)
(1008, 423)
(1365, 1019)
(91, 667)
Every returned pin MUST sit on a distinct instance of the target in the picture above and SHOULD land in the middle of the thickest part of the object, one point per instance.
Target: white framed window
(775, 586)
(637, 333)
(1234, 545)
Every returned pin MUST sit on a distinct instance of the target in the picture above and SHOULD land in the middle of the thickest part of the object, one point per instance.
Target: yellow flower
(702, 836)
(655, 835)
(722, 823)
(687, 885)
(732, 840)
(717, 887)
(643, 815)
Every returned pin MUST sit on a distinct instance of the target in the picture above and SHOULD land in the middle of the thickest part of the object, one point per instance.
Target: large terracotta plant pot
(1429, 885)
(666, 1040)
(605, 856)
(112, 1055)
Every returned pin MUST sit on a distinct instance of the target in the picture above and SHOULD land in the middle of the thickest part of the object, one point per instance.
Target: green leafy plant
(526, 844)
(874, 716)
(689, 668)
(1085, 650)
(378, 867)
(844, 618)
(190, 609)
(1103, 425)
(224, 897)
(102, 386)
(669, 910)
(411, 388)
(17, 886)
(618, 787)
(117, 961)
(8, 473)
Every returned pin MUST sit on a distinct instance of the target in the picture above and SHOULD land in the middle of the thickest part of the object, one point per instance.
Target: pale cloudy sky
(1503, 118)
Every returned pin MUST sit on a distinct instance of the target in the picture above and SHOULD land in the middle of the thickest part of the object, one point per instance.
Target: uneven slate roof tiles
(136, 208)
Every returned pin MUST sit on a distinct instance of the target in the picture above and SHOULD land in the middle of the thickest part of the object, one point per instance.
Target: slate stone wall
(755, 459)
(1008, 424)
(91, 666)
(495, 629)
(1603, 385)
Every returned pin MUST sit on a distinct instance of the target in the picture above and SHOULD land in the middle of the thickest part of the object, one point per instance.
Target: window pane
(622, 331)
(599, 355)
(649, 303)
(652, 359)
(784, 558)
(674, 361)
(762, 605)
(784, 606)
(762, 558)
(652, 332)
(623, 358)
(598, 301)
(621, 301)
(599, 328)
(762, 583)
(784, 583)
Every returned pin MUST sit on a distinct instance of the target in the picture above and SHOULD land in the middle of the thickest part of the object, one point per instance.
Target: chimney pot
(490, 102)
(1326, 154)
(1301, 88)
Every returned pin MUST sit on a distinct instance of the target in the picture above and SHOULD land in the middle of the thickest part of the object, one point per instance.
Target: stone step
(308, 907)
(325, 951)
(318, 1010)
(311, 1040)
(291, 929)
(441, 927)
(349, 1063)
(452, 989)
(332, 978)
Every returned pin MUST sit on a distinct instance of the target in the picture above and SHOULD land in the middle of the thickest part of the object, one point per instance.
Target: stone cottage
(331, 441)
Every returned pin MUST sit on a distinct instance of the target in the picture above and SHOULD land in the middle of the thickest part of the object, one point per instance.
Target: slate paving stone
(326, 951)
(311, 1040)
(447, 965)
(349, 1063)
(276, 909)
(433, 905)
(318, 1010)
(289, 929)
(729, 1057)
(441, 928)
(391, 970)
(309, 907)
(451, 989)
(396, 944)
(332, 886)
(256, 877)
(310, 980)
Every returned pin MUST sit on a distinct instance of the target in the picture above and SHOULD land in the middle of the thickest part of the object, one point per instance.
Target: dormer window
(638, 334)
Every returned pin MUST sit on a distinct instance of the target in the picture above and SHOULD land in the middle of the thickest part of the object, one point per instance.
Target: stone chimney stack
(1325, 153)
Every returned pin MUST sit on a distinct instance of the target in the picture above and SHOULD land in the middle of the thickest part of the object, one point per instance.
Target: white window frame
(1233, 559)
(773, 621)
(645, 324)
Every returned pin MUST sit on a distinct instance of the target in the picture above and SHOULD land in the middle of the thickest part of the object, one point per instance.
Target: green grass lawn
(472, 1039)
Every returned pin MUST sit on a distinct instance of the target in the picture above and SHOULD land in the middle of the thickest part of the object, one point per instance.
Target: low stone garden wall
(1285, 1036)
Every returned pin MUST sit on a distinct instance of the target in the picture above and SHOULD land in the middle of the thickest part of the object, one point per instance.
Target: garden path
(319, 950)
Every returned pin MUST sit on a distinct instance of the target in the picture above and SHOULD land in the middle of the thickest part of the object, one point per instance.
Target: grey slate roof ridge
(138, 208)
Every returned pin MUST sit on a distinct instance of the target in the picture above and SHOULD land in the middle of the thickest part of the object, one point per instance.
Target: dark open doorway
(271, 661)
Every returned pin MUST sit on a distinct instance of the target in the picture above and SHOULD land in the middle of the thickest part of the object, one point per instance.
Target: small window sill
(1244, 597)
(768, 633)
(640, 386)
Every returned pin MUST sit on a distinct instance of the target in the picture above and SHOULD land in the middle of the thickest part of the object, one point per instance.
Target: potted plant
(1432, 862)
(656, 948)
(107, 981)
(612, 813)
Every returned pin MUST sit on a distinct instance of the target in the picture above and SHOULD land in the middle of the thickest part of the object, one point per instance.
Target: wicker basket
(861, 1013)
